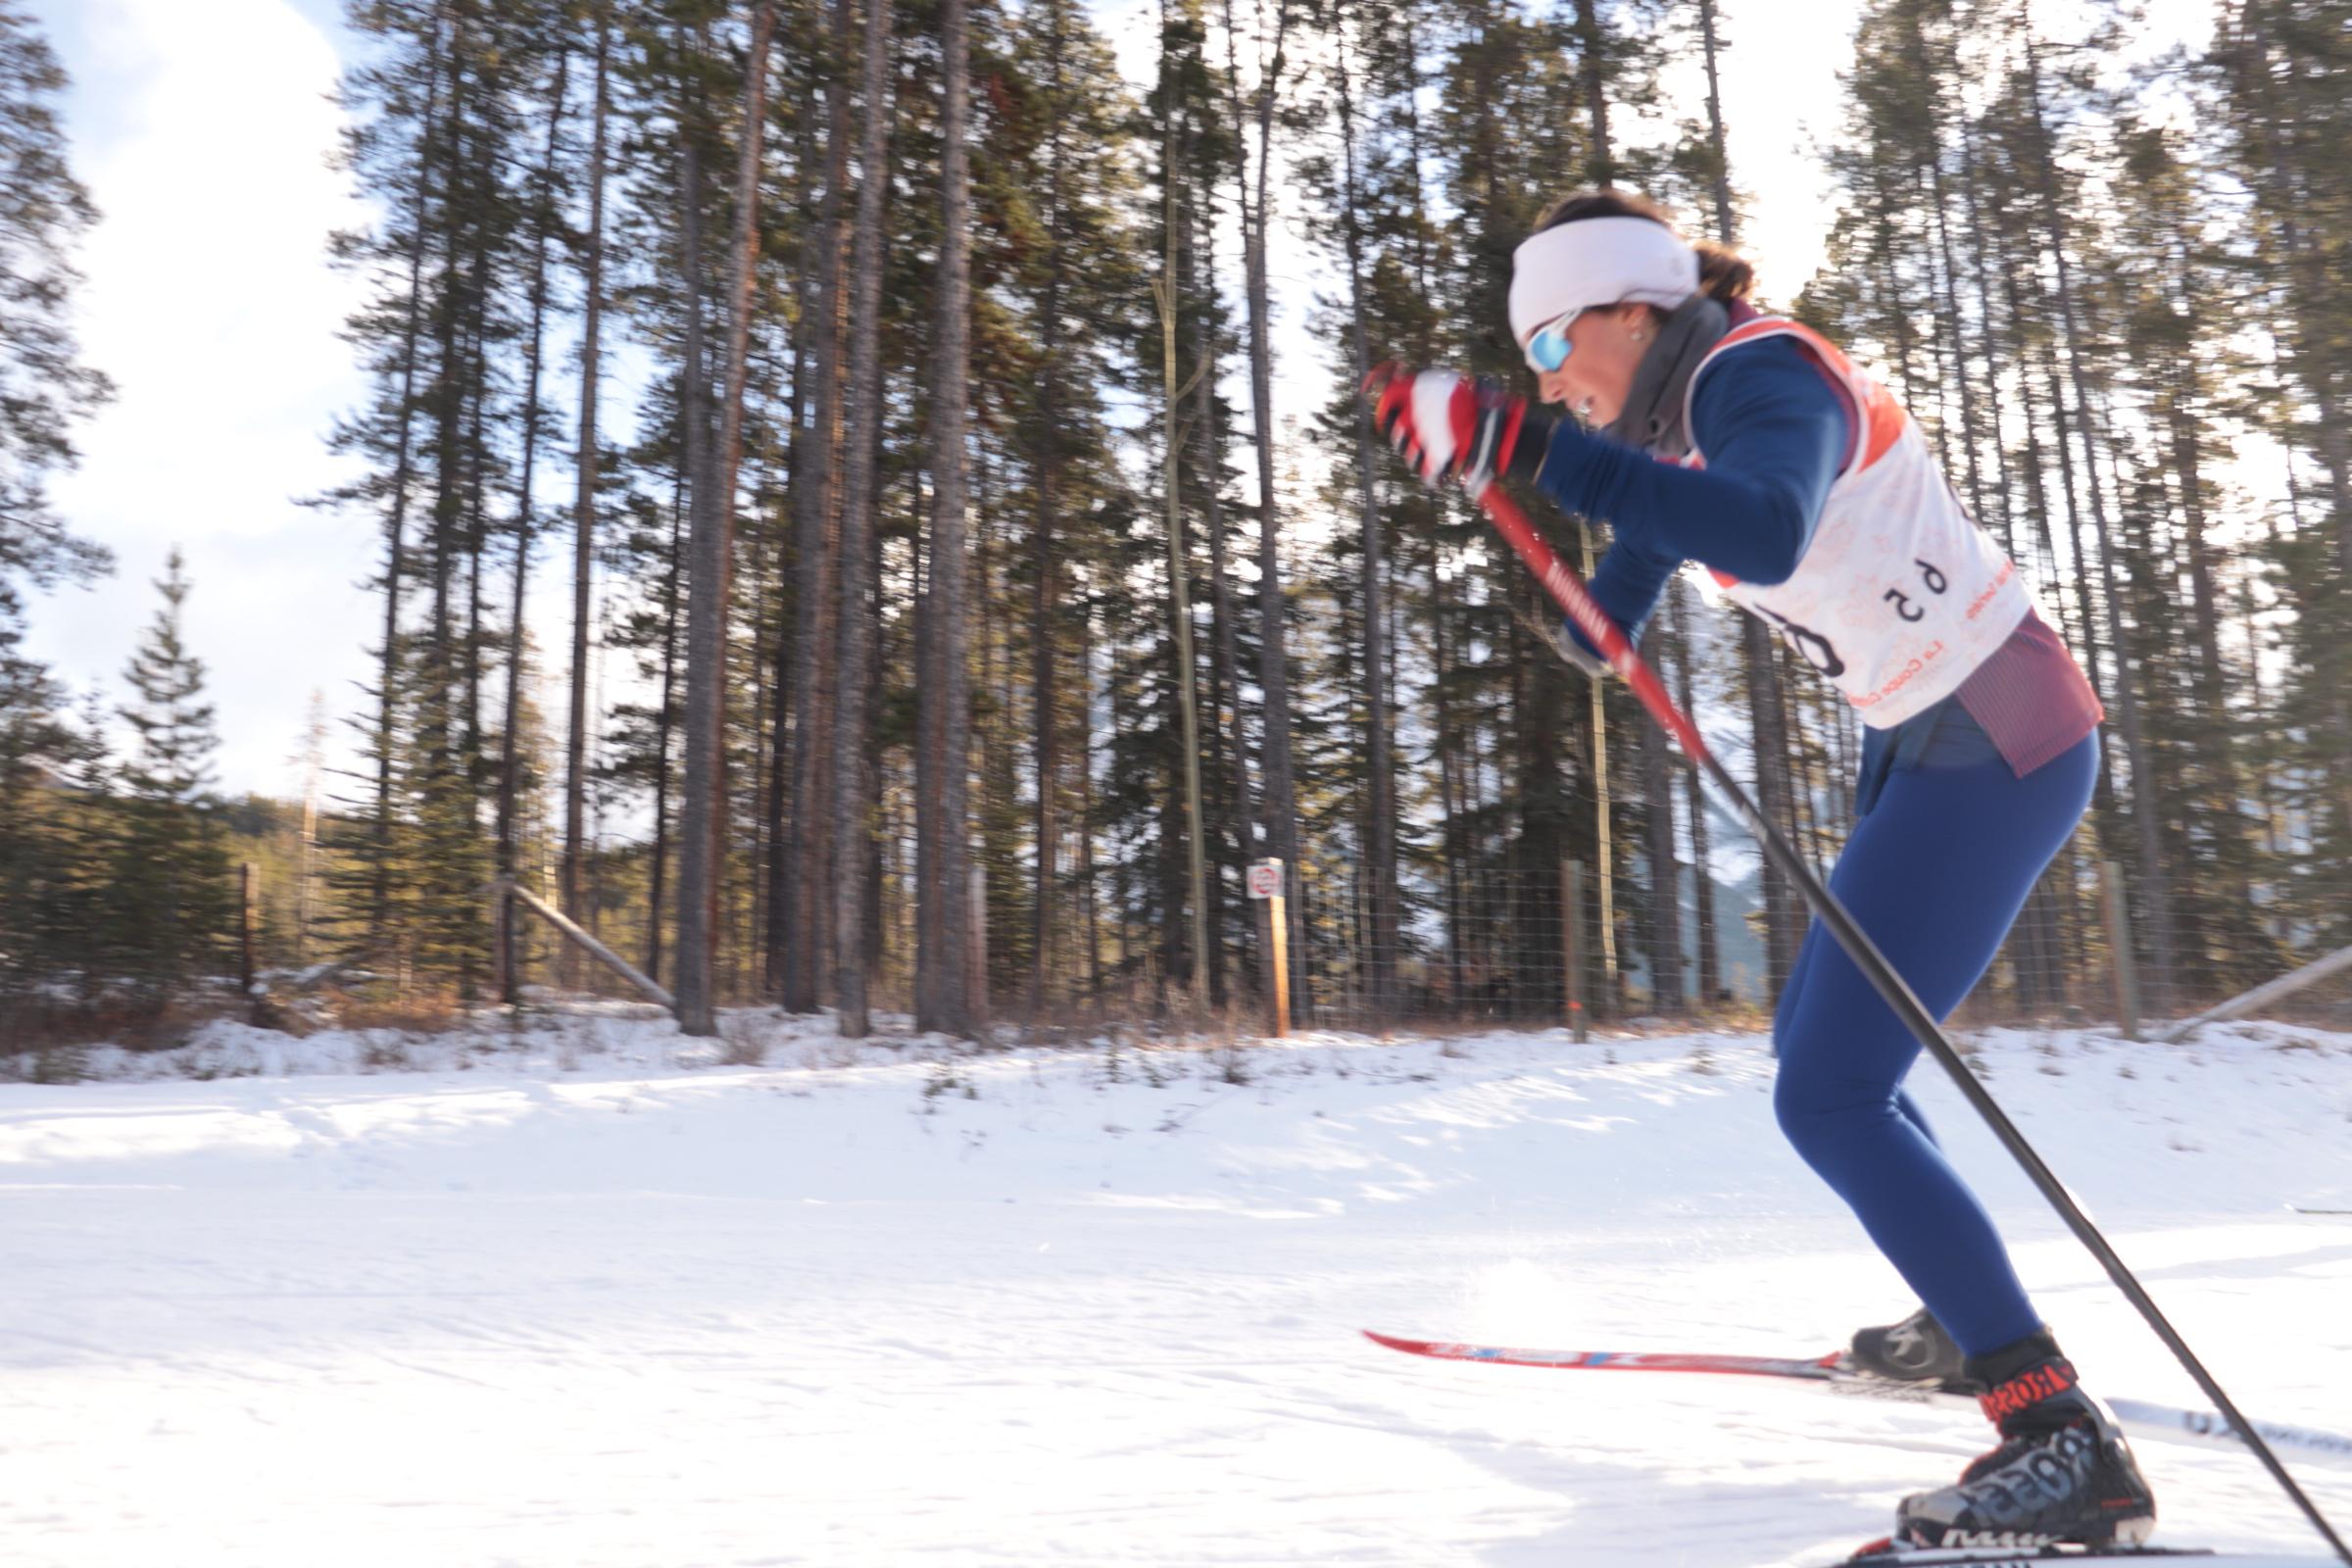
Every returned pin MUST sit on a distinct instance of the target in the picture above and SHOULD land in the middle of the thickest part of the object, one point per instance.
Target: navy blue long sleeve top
(1775, 433)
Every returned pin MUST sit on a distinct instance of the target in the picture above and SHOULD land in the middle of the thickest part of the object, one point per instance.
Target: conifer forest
(966, 579)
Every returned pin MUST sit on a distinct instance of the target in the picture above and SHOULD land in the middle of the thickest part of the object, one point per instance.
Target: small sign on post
(1264, 881)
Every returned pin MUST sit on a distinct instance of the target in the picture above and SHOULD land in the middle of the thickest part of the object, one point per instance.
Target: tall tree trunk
(509, 753)
(1169, 292)
(1702, 867)
(1988, 335)
(1092, 899)
(780, 723)
(1593, 72)
(2229, 887)
(1604, 815)
(1380, 766)
(853, 789)
(1767, 711)
(1227, 736)
(1045, 524)
(1719, 184)
(709, 515)
(1949, 308)
(1600, 170)
(2283, 154)
(1280, 801)
(816, 500)
(2155, 893)
(388, 676)
(477, 508)
(583, 526)
(1447, 742)
(943, 997)
(663, 721)
(448, 416)
(1665, 941)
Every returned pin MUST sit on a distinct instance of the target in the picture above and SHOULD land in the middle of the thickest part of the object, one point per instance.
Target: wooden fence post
(2118, 948)
(1572, 944)
(1266, 887)
(502, 950)
(248, 875)
(976, 946)
(509, 968)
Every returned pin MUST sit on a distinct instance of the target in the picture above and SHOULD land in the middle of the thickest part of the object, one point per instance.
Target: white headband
(1596, 261)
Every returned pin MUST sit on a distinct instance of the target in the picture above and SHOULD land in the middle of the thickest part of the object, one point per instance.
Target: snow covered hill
(598, 1299)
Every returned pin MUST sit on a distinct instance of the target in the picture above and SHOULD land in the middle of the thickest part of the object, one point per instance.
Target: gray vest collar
(1653, 409)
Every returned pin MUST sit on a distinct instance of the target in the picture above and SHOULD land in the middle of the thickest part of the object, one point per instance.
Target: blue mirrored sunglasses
(1549, 348)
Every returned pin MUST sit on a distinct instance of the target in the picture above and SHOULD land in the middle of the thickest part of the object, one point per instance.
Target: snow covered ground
(597, 1299)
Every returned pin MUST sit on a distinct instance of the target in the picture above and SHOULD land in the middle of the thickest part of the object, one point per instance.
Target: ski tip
(1390, 1341)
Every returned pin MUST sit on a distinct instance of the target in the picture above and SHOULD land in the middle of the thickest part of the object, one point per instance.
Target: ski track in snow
(602, 1303)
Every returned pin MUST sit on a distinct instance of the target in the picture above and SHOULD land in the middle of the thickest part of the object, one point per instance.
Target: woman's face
(1607, 345)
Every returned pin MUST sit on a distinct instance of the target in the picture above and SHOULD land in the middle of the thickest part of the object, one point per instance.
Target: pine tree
(853, 789)
(587, 464)
(54, 794)
(44, 211)
(944, 998)
(169, 906)
(2282, 80)
(1278, 801)
(714, 460)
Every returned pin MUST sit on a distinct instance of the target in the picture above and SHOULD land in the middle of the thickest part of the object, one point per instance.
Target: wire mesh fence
(1529, 946)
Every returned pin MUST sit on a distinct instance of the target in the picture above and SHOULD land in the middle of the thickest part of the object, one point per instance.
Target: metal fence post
(2118, 948)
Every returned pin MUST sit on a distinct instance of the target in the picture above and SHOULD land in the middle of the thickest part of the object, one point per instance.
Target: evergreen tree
(2282, 76)
(44, 391)
(44, 211)
(54, 794)
(170, 909)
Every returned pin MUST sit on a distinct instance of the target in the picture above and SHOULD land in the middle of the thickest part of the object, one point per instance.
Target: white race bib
(1899, 596)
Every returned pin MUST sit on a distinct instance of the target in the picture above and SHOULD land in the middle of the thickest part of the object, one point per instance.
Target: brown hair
(1723, 273)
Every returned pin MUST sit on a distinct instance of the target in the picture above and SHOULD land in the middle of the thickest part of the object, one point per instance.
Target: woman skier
(1750, 444)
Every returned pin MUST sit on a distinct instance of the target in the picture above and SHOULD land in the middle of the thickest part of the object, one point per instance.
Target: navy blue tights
(1937, 871)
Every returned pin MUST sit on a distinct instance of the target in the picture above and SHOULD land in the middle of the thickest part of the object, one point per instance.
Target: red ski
(1832, 1374)
(1819, 1370)
(2051, 1557)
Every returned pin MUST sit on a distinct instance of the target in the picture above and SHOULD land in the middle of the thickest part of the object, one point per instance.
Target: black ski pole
(1572, 597)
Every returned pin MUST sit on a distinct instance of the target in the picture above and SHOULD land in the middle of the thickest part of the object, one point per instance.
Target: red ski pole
(1569, 592)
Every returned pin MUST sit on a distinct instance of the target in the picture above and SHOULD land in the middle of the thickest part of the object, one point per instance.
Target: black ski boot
(1913, 1351)
(2062, 1473)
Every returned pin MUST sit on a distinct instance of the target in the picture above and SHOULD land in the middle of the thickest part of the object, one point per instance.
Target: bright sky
(203, 132)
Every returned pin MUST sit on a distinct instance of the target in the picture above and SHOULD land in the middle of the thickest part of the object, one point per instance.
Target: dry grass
(413, 1014)
(34, 1026)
